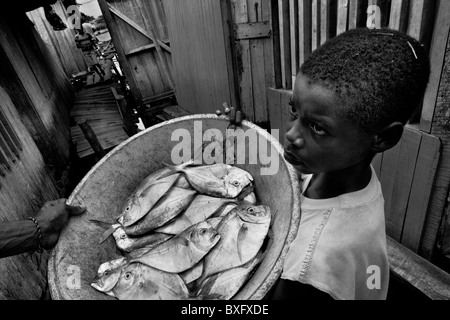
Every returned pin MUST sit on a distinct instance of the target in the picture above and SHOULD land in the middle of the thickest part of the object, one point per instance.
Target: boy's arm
(293, 290)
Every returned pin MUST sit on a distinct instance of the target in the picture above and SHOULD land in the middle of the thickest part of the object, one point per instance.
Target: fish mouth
(97, 283)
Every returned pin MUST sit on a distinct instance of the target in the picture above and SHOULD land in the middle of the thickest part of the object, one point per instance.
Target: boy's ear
(387, 137)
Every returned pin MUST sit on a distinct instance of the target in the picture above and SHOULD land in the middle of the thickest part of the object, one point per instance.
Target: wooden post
(90, 136)
(119, 48)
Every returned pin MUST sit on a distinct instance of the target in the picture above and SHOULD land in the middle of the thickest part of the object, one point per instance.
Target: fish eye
(235, 183)
(123, 236)
(251, 210)
(106, 273)
(127, 275)
(127, 208)
(202, 232)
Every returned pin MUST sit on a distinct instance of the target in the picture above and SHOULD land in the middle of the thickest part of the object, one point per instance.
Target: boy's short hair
(380, 75)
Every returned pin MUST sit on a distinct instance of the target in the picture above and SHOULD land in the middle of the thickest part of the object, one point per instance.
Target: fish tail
(177, 168)
(105, 235)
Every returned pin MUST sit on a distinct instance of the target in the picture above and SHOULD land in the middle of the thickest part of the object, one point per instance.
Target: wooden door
(138, 30)
(201, 54)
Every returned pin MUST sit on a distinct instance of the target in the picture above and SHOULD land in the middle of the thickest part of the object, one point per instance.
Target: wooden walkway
(100, 108)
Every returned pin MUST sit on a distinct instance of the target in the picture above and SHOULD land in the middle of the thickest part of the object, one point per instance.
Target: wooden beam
(304, 25)
(269, 60)
(315, 24)
(324, 21)
(398, 18)
(293, 16)
(90, 136)
(240, 15)
(285, 44)
(252, 30)
(149, 34)
(355, 13)
(342, 16)
(140, 49)
(437, 54)
(258, 72)
(231, 53)
(418, 272)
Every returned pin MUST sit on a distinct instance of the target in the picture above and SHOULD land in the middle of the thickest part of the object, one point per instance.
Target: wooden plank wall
(146, 63)
(200, 56)
(42, 87)
(440, 200)
(407, 174)
(61, 44)
(35, 98)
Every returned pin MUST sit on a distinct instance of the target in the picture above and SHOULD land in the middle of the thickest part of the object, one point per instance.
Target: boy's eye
(292, 110)
(318, 130)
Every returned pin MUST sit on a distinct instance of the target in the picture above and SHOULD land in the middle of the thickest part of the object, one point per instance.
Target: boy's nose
(294, 137)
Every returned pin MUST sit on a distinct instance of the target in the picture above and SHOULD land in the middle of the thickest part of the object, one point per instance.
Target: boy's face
(318, 139)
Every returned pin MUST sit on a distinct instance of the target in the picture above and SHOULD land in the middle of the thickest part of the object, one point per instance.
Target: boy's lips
(292, 159)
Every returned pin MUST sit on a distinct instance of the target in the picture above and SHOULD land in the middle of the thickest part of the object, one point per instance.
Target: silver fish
(182, 182)
(201, 208)
(224, 285)
(126, 243)
(108, 274)
(217, 180)
(183, 251)
(142, 282)
(250, 198)
(174, 202)
(242, 232)
(138, 205)
(192, 274)
(214, 222)
(149, 180)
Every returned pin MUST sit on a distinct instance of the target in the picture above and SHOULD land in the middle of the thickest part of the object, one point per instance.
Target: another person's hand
(51, 219)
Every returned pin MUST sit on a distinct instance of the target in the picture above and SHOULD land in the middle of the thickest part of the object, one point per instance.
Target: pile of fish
(186, 232)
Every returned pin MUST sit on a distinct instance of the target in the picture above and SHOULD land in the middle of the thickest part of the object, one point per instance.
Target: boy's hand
(235, 117)
(51, 219)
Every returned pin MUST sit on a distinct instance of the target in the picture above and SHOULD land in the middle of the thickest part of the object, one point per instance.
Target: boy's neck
(332, 184)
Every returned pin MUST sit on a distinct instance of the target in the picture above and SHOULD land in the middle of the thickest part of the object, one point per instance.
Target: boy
(351, 99)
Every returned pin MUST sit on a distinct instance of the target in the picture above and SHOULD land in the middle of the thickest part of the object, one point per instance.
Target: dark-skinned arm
(22, 236)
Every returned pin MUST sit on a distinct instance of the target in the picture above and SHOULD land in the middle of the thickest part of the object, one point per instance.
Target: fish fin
(240, 239)
(102, 224)
(108, 232)
(204, 287)
(172, 170)
(246, 191)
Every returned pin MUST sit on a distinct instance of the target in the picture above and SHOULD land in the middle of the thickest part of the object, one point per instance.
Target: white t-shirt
(340, 247)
